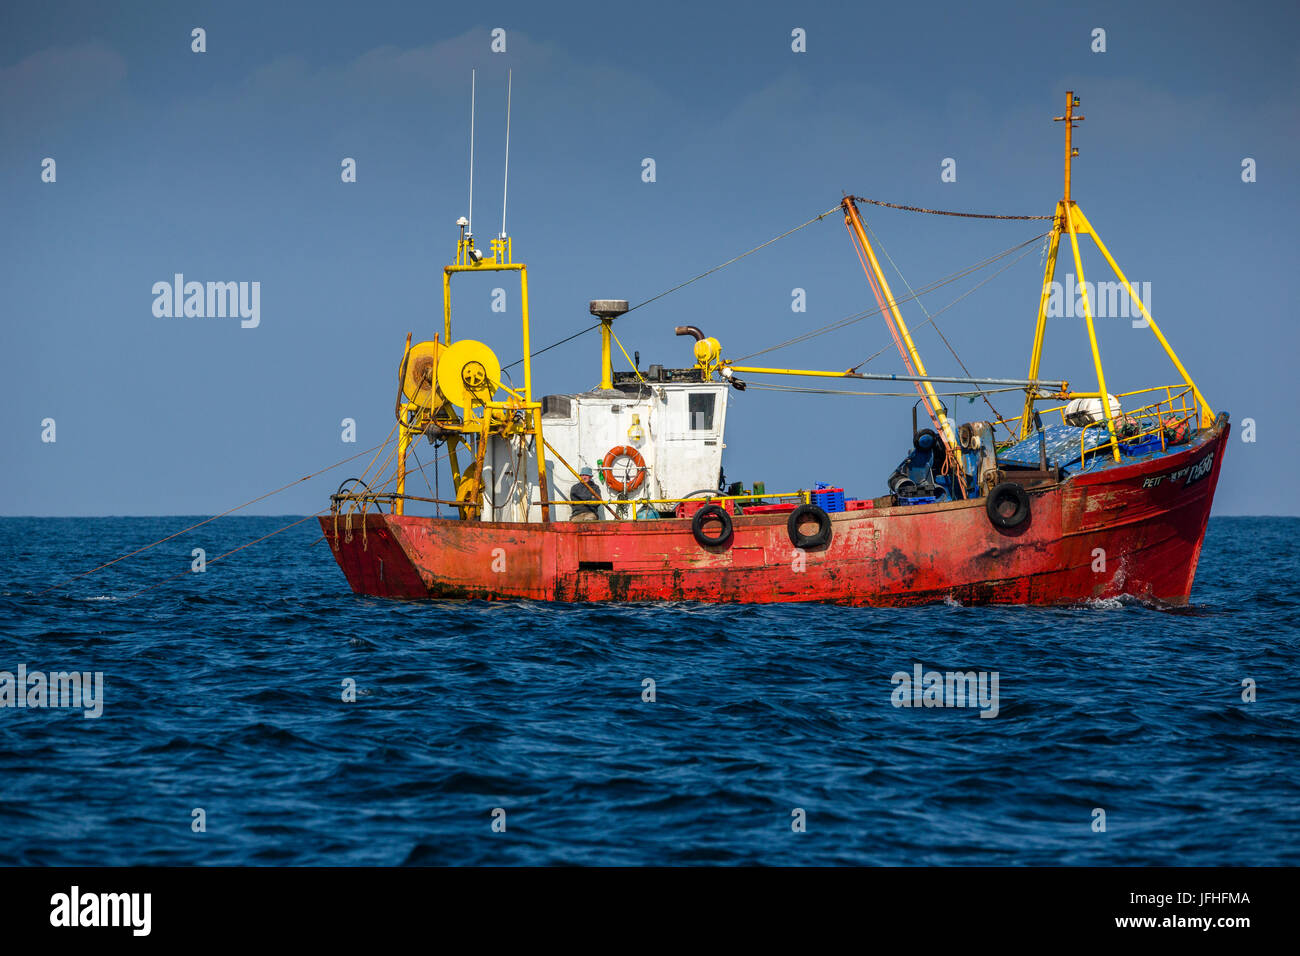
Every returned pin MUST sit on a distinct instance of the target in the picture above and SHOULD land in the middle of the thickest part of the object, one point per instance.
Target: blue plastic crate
(828, 499)
(923, 500)
(1143, 446)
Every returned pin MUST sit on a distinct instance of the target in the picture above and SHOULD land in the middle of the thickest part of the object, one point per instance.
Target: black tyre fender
(999, 497)
(710, 513)
(818, 538)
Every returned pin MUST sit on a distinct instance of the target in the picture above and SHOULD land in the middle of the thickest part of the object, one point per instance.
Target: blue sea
(519, 733)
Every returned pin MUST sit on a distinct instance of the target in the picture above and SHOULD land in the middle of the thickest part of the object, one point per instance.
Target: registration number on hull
(1191, 474)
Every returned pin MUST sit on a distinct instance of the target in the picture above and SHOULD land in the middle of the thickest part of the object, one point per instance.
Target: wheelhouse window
(700, 407)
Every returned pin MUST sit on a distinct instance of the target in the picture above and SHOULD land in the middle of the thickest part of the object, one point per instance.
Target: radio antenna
(472, 82)
(505, 188)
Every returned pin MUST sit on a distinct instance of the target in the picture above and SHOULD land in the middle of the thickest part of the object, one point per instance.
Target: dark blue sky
(225, 166)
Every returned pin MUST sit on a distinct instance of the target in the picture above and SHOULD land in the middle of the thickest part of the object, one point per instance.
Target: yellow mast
(931, 399)
(1071, 101)
(1040, 326)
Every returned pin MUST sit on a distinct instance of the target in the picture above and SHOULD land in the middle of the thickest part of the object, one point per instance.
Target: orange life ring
(623, 451)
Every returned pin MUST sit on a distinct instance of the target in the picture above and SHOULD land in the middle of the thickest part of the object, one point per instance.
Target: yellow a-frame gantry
(1070, 220)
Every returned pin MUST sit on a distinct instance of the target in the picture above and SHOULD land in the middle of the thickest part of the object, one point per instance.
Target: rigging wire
(229, 511)
(874, 202)
(420, 468)
(318, 514)
(851, 391)
(944, 212)
(640, 378)
(736, 259)
(271, 534)
(895, 323)
(925, 290)
(997, 416)
(681, 285)
(589, 328)
(973, 289)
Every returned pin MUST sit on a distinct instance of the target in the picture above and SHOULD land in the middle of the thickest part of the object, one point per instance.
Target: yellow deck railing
(1179, 404)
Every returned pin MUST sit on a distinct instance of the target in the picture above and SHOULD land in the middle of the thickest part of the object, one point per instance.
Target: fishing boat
(618, 493)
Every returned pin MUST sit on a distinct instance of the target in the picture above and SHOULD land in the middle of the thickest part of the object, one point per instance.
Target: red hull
(1148, 518)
